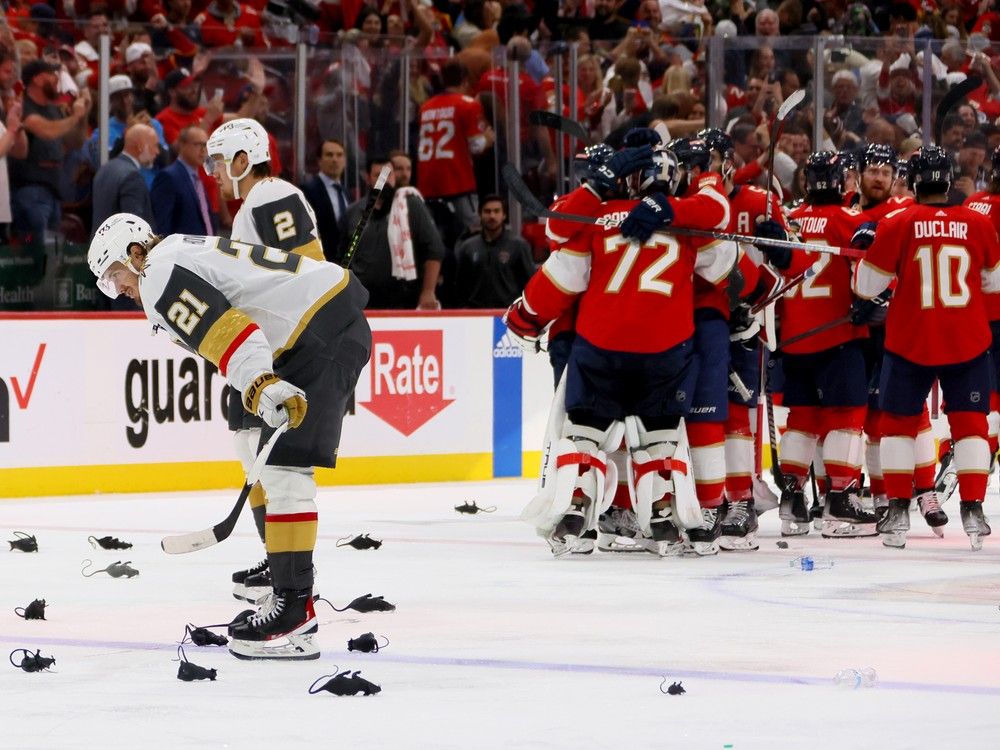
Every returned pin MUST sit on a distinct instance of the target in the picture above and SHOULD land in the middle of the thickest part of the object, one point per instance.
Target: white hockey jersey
(275, 213)
(238, 305)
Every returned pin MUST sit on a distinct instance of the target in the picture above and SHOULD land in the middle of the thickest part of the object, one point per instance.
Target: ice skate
(665, 538)
(793, 513)
(257, 587)
(284, 628)
(844, 516)
(947, 478)
(704, 540)
(567, 536)
(894, 523)
(618, 531)
(880, 506)
(974, 522)
(240, 577)
(586, 544)
(738, 530)
(930, 508)
(764, 498)
(816, 512)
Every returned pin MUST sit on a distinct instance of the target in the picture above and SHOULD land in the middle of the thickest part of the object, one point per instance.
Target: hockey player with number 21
(287, 332)
(630, 370)
(276, 214)
(944, 258)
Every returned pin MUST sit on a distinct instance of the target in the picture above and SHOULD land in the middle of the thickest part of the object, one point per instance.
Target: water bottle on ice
(807, 563)
(852, 679)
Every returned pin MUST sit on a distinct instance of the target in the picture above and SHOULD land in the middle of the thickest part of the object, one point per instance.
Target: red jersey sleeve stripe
(240, 338)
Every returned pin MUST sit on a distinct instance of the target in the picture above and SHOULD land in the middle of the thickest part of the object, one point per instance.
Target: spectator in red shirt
(227, 23)
(183, 110)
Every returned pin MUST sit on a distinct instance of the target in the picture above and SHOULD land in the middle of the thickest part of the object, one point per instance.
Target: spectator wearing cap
(140, 65)
(35, 179)
(492, 266)
(182, 203)
(121, 105)
(119, 186)
(183, 110)
(228, 23)
(845, 102)
(13, 141)
(327, 195)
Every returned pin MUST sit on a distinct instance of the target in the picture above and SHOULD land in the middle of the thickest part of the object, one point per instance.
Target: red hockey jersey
(988, 204)
(880, 210)
(632, 298)
(444, 160)
(943, 257)
(826, 296)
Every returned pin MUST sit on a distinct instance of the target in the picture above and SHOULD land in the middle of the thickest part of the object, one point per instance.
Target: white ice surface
(494, 643)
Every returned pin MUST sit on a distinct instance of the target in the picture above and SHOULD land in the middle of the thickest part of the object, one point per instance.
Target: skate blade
(296, 648)
(834, 529)
(570, 545)
(976, 540)
(794, 528)
(702, 549)
(894, 539)
(746, 543)
(612, 543)
(665, 549)
(938, 531)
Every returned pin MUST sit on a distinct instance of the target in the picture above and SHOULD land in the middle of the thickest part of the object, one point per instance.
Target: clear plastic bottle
(852, 679)
(807, 563)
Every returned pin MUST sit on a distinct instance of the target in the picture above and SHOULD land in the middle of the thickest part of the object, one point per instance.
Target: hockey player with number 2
(274, 213)
(630, 368)
(289, 334)
(944, 258)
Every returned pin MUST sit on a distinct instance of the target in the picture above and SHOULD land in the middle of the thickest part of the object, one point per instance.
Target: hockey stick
(196, 540)
(955, 94)
(366, 214)
(783, 290)
(555, 121)
(526, 198)
(814, 331)
(777, 126)
(772, 430)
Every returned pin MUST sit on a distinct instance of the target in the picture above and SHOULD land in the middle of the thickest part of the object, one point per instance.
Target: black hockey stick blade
(555, 121)
(196, 540)
(955, 94)
(366, 213)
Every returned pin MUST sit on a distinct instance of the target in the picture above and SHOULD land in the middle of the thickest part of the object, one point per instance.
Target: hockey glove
(642, 137)
(604, 179)
(779, 257)
(275, 401)
(524, 324)
(871, 311)
(864, 235)
(653, 212)
(743, 327)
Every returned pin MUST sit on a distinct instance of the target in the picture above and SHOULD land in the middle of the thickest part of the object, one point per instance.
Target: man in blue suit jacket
(180, 203)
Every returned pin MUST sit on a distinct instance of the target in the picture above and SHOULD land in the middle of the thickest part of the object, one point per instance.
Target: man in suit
(328, 196)
(182, 204)
(118, 185)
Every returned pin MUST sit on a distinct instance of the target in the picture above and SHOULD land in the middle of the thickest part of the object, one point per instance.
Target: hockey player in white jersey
(287, 332)
(276, 214)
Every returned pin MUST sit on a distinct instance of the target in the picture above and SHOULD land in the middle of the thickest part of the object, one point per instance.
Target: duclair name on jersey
(958, 230)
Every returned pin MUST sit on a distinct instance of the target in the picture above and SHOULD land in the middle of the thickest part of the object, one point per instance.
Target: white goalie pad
(769, 329)
(670, 454)
(553, 430)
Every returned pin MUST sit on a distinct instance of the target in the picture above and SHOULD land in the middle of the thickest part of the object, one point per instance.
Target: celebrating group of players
(864, 298)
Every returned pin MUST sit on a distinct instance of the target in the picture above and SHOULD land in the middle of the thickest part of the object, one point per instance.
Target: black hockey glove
(871, 311)
(779, 257)
(604, 179)
(864, 235)
(743, 327)
(653, 212)
(642, 137)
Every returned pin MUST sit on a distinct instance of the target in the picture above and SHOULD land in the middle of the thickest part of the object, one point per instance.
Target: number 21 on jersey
(649, 280)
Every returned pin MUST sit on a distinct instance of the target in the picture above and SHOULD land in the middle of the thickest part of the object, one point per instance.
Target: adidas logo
(507, 347)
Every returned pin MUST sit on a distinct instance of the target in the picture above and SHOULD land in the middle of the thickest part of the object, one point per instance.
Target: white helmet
(243, 134)
(111, 243)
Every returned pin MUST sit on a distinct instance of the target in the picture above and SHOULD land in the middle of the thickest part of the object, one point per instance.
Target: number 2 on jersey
(649, 280)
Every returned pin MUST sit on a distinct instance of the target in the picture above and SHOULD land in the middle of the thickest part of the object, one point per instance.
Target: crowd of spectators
(179, 68)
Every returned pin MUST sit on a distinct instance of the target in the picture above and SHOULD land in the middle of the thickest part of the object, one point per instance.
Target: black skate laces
(738, 512)
(271, 610)
(116, 569)
(361, 541)
(366, 603)
(345, 683)
(108, 542)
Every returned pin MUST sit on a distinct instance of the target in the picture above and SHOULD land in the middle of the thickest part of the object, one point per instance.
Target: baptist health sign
(444, 397)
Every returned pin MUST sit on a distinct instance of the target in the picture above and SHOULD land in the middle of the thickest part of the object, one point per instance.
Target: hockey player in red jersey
(824, 374)
(708, 407)
(879, 172)
(621, 368)
(943, 258)
(988, 202)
